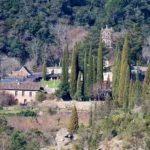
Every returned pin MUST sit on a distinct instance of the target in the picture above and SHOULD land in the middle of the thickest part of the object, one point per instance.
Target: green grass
(51, 83)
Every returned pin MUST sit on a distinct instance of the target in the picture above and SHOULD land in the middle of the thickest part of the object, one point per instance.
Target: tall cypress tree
(91, 117)
(100, 62)
(85, 79)
(124, 65)
(78, 94)
(94, 68)
(74, 73)
(73, 122)
(131, 95)
(137, 89)
(126, 89)
(44, 71)
(65, 63)
(146, 83)
(116, 73)
(63, 89)
(90, 69)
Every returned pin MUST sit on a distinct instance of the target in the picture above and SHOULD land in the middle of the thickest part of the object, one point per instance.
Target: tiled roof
(31, 86)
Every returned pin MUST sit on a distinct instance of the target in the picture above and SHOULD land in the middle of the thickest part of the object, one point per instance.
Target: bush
(40, 96)
(27, 113)
(52, 111)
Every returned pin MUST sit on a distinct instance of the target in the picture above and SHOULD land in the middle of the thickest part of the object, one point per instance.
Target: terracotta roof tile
(31, 86)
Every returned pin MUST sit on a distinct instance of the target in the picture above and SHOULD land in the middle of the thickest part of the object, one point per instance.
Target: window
(16, 93)
(30, 94)
(23, 93)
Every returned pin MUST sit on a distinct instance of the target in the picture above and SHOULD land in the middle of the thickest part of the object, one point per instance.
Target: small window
(30, 94)
(16, 93)
(23, 93)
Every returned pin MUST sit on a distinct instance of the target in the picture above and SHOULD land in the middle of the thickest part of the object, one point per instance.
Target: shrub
(26, 113)
(52, 111)
(40, 96)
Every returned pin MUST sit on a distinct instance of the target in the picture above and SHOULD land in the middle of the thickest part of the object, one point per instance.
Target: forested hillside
(28, 29)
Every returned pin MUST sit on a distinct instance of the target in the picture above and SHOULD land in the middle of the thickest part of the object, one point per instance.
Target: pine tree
(78, 94)
(126, 89)
(73, 122)
(90, 69)
(100, 62)
(91, 117)
(85, 80)
(65, 63)
(94, 68)
(116, 73)
(146, 83)
(74, 73)
(44, 71)
(124, 65)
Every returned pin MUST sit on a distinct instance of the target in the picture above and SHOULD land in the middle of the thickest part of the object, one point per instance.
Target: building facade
(23, 92)
(106, 34)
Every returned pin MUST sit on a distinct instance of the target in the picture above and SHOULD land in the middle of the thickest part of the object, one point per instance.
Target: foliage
(73, 122)
(116, 73)
(44, 71)
(100, 63)
(63, 91)
(78, 94)
(90, 70)
(27, 113)
(74, 73)
(124, 64)
(40, 96)
(52, 111)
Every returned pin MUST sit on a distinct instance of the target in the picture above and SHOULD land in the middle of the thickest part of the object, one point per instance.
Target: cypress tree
(78, 94)
(44, 71)
(131, 95)
(94, 69)
(126, 89)
(73, 122)
(74, 71)
(100, 62)
(146, 83)
(90, 69)
(85, 81)
(65, 63)
(124, 65)
(137, 89)
(116, 73)
(91, 117)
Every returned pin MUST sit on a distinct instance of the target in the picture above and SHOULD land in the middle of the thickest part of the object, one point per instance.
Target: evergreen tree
(65, 63)
(123, 70)
(44, 71)
(90, 69)
(131, 95)
(146, 82)
(78, 94)
(95, 113)
(126, 89)
(73, 122)
(91, 117)
(74, 73)
(100, 62)
(137, 93)
(116, 73)
(85, 81)
(94, 68)
(63, 89)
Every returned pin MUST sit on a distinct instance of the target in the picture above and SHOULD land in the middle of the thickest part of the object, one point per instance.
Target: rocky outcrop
(63, 137)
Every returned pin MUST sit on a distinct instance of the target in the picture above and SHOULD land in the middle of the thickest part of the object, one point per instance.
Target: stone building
(23, 92)
(107, 36)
